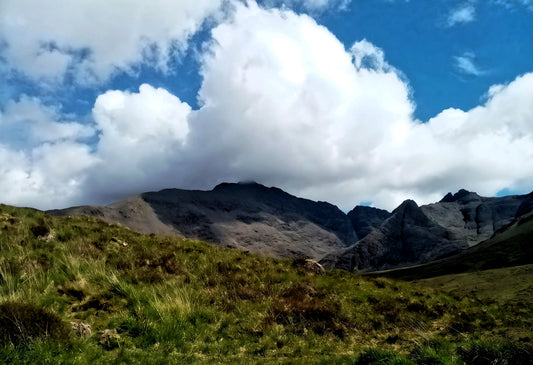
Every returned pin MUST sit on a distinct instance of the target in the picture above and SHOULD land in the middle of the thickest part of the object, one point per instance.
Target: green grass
(173, 300)
(503, 285)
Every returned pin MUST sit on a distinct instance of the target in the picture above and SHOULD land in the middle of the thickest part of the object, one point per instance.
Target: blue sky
(346, 101)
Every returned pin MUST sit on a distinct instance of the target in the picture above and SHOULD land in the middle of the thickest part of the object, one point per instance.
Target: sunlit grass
(173, 300)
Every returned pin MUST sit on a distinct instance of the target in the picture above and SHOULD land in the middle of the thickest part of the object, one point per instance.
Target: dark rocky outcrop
(248, 216)
(414, 235)
(366, 219)
(526, 207)
(407, 237)
(472, 217)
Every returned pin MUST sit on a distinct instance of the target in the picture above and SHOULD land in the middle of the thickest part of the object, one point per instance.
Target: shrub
(40, 228)
(481, 353)
(20, 323)
(305, 307)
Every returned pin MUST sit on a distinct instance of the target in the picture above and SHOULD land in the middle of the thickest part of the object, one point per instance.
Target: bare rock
(109, 338)
(407, 237)
(366, 219)
(475, 218)
(309, 266)
(81, 329)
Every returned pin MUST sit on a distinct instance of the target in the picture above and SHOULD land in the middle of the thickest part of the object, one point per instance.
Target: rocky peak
(245, 185)
(462, 196)
(365, 219)
(408, 207)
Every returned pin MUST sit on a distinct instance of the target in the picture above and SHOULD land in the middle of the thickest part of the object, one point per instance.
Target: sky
(346, 101)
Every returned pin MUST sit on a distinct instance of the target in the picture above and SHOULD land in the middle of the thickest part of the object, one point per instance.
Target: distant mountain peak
(407, 205)
(461, 195)
(239, 185)
(366, 208)
(448, 198)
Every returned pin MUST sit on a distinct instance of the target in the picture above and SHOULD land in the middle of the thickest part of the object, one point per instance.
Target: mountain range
(269, 221)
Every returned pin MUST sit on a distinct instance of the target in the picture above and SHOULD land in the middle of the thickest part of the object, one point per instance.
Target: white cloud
(46, 38)
(290, 108)
(43, 160)
(27, 124)
(464, 13)
(310, 5)
(142, 135)
(293, 109)
(367, 55)
(466, 64)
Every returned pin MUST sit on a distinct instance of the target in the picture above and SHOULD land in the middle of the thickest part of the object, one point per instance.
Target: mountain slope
(366, 219)
(247, 216)
(407, 237)
(413, 235)
(512, 247)
(269, 221)
(472, 217)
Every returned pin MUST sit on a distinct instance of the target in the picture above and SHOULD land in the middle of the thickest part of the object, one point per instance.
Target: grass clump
(22, 323)
(381, 357)
(489, 352)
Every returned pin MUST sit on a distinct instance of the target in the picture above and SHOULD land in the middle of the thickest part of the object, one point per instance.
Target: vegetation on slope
(157, 300)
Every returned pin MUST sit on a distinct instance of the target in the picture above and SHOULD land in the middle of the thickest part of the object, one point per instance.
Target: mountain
(248, 216)
(413, 235)
(269, 221)
(407, 237)
(472, 217)
(366, 219)
(511, 247)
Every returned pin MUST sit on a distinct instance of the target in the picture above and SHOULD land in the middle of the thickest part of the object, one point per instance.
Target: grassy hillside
(158, 300)
(505, 284)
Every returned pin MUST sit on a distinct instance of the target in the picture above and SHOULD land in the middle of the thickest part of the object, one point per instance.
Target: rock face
(247, 216)
(407, 237)
(474, 218)
(412, 235)
(366, 219)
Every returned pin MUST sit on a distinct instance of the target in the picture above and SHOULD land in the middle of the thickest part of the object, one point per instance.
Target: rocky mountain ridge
(269, 221)
(247, 216)
(413, 235)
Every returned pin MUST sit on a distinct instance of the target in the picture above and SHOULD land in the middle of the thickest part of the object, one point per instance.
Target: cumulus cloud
(366, 55)
(294, 109)
(27, 123)
(464, 13)
(43, 157)
(291, 108)
(93, 39)
(141, 136)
